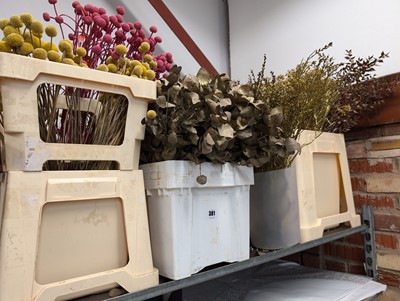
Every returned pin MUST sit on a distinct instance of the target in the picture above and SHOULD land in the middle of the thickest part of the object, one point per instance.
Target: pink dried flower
(168, 56)
(99, 34)
(107, 38)
(120, 18)
(114, 55)
(88, 7)
(99, 21)
(114, 21)
(120, 10)
(46, 17)
(88, 20)
(59, 19)
(125, 27)
(52, 2)
(96, 49)
(120, 34)
(79, 10)
(105, 17)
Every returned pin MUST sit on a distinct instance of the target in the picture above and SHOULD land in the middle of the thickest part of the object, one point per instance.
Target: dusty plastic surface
(19, 78)
(274, 209)
(324, 185)
(193, 226)
(68, 234)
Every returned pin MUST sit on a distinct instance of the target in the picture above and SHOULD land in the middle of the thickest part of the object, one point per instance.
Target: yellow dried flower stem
(54, 56)
(26, 48)
(50, 46)
(144, 47)
(32, 39)
(39, 53)
(138, 71)
(134, 63)
(151, 114)
(121, 49)
(68, 61)
(77, 59)
(65, 45)
(81, 51)
(4, 47)
(109, 60)
(14, 40)
(153, 64)
(4, 23)
(102, 67)
(112, 68)
(150, 74)
(146, 65)
(27, 19)
(8, 29)
(37, 28)
(69, 54)
(147, 58)
(15, 21)
(51, 31)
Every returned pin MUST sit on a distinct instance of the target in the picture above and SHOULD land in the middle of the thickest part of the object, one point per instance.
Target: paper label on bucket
(211, 214)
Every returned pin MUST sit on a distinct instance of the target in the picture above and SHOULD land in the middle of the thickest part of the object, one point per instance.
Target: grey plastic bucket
(274, 210)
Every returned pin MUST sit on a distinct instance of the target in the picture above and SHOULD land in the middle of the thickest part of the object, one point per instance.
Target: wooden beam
(183, 36)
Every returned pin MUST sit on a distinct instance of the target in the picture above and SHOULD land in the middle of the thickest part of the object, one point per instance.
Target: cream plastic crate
(324, 186)
(19, 78)
(68, 234)
(193, 226)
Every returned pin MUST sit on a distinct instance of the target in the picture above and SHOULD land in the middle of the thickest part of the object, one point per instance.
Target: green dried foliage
(321, 95)
(217, 120)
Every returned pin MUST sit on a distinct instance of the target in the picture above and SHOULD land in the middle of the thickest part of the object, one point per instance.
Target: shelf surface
(173, 285)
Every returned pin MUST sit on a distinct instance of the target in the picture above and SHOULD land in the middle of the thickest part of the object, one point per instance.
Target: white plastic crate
(324, 187)
(67, 234)
(20, 77)
(193, 226)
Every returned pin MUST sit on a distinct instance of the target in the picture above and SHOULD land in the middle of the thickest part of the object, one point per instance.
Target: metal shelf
(329, 236)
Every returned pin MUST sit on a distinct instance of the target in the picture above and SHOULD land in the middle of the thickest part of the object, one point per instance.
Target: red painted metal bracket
(183, 36)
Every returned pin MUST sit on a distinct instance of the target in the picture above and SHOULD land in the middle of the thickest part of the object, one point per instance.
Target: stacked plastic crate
(67, 234)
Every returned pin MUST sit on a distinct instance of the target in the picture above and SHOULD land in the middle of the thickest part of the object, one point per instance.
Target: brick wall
(374, 163)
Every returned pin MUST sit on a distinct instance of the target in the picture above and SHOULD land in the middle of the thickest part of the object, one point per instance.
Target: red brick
(369, 166)
(377, 201)
(389, 277)
(356, 150)
(293, 258)
(387, 222)
(314, 251)
(387, 240)
(383, 183)
(356, 268)
(356, 239)
(391, 129)
(345, 252)
(310, 260)
(335, 265)
(358, 184)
